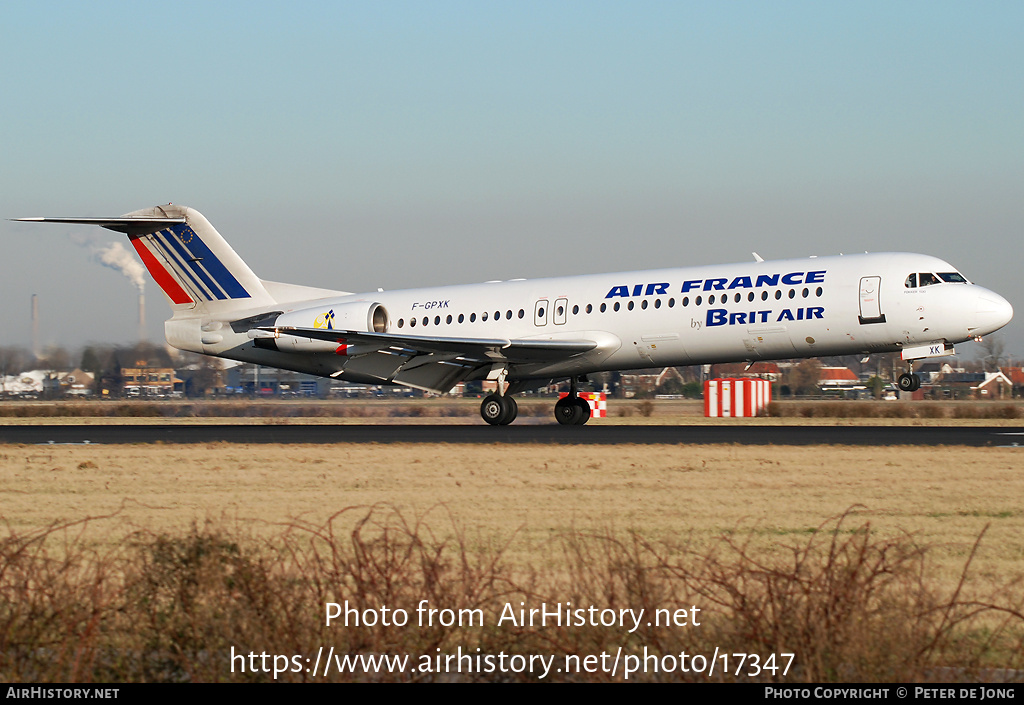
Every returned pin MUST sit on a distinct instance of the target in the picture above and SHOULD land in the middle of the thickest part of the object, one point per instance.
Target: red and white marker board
(598, 403)
(736, 397)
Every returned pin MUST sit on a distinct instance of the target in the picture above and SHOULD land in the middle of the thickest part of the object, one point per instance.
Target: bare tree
(14, 360)
(804, 377)
(56, 359)
(992, 348)
(202, 374)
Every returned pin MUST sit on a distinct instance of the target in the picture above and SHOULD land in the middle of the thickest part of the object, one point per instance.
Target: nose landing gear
(909, 382)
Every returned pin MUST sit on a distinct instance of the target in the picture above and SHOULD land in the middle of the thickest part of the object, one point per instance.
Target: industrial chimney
(142, 317)
(35, 325)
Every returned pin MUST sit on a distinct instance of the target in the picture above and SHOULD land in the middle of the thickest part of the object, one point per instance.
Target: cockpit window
(927, 279)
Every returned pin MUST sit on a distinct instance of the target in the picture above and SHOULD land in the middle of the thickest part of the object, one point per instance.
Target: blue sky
(357, 145)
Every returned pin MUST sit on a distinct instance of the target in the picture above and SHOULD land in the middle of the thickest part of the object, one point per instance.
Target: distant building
(1016, 377)
(757, 370)
(256, 380)
(973, 385)
(77, 382)
(24, 384)
(838, 378)
(35, 383)
(146, 381)
(931, 370)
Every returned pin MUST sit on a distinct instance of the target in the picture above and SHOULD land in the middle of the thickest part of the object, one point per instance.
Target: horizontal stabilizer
(133, 227)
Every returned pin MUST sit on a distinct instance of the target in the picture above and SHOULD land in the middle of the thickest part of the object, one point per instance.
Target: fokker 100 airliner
(524, 334)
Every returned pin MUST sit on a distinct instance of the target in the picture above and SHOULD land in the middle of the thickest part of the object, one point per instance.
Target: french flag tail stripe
(160, 275)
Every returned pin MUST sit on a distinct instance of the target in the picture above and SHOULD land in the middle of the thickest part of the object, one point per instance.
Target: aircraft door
(870, 304)
(560, 311)
(540, 313)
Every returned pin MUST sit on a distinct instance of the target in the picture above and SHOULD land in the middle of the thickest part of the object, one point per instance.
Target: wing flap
(434, 363)
(436, 375)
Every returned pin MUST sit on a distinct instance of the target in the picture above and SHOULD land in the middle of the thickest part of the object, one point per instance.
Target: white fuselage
(525, 331)
(693, 315)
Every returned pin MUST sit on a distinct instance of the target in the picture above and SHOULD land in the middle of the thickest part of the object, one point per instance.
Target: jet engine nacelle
(361, 316)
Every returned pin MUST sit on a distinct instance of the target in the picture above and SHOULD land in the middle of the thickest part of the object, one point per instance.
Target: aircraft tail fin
(187, 258)
(192, 263)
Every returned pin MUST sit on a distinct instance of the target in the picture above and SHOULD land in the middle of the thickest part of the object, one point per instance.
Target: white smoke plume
(114, 255)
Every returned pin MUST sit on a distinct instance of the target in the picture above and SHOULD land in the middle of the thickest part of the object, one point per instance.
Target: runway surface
(586, 435)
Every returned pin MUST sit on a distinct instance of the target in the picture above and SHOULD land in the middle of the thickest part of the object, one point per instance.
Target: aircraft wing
(133, 227)
(498, 349)
(432, 362)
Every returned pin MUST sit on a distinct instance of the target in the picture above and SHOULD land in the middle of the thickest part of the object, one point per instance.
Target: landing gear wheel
(499, 411)
(568, 412)
(513, 411)
(492, 409)
(584, 406)
(909, 382)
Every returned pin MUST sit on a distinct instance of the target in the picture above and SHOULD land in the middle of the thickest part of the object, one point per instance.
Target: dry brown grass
(219, 545)
(945, 497)
(848, 604)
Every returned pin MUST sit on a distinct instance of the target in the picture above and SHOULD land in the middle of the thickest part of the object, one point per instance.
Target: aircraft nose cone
(992, 312)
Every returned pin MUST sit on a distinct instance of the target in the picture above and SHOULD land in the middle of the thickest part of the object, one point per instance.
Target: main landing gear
(499, 410)
(909, 382)
(572, 410)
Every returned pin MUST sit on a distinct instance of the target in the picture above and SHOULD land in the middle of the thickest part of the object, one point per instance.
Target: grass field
(945, 496)
(217, 545)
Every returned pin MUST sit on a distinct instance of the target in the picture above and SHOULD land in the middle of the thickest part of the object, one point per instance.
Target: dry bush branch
(852, 605)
